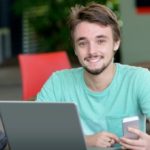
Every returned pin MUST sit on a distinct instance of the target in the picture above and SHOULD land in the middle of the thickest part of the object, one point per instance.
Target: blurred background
(37, 26)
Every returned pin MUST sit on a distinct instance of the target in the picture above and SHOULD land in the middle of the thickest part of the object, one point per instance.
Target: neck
(100, 82)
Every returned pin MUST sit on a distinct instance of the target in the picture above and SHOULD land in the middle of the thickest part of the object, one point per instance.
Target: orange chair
(36, 68)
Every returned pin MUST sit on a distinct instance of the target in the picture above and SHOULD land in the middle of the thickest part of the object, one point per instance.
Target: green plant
(48, 19)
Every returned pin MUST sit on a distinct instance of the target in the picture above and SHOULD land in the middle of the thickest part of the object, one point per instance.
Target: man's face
(94, 46)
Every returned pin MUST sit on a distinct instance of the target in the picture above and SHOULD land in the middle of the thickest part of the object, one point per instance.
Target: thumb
(136, 131)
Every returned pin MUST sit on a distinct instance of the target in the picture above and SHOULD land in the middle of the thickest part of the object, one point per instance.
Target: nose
(92, 48)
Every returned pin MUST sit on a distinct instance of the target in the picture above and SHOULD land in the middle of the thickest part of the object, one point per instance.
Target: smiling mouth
(93, 59)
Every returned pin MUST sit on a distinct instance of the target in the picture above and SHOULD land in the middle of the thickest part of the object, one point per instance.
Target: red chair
(36, 68)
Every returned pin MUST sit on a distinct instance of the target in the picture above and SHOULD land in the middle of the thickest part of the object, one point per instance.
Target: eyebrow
(80, 39)
(102, 36)
(98, 37)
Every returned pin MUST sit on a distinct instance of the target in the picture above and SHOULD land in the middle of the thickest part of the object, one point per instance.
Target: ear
(116, 45)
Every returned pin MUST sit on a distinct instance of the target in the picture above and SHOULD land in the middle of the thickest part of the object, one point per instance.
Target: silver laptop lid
(41, 126)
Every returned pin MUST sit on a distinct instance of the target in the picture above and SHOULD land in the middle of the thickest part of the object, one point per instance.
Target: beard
(95, 71)
(99, 70)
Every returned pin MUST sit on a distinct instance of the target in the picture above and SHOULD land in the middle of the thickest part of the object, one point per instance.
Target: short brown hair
(94, 13)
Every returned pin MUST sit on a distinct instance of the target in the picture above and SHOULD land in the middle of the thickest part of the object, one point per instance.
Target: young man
(104, 92)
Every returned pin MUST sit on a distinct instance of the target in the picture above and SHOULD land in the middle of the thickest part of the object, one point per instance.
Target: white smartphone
(130, 122)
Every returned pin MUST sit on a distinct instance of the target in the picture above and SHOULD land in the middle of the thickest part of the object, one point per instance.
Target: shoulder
(68, 73)
(133, 76)
(132, 70)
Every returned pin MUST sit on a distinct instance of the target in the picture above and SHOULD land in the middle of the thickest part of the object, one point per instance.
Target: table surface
(90, 148)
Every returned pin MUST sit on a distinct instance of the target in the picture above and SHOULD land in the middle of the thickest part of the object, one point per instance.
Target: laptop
(41, 126)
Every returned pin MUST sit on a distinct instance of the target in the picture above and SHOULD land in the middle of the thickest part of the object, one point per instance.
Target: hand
(102, 139)
(142, 143)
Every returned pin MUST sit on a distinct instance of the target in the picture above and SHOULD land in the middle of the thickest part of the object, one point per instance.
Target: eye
(82, 43)
(101, 41)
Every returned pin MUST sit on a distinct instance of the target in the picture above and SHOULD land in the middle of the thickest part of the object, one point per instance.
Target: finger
(112, 136)
(108, 139)
(126, 146)
(132, 142)
(112, 141)
(135, 131)
(104, 144)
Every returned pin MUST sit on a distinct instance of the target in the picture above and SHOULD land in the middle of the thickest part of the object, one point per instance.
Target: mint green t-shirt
(127, 95)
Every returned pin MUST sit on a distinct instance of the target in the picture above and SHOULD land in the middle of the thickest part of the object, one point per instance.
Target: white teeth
(94, 59)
